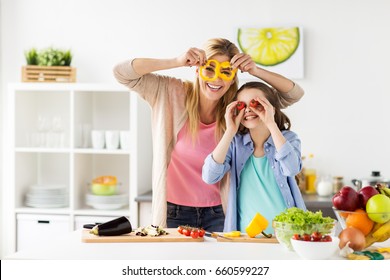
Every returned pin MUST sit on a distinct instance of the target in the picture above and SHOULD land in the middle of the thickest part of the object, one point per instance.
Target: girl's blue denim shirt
(286, 163)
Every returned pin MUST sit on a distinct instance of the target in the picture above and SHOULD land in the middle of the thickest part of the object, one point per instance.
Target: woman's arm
(191, 57)
(289, 92)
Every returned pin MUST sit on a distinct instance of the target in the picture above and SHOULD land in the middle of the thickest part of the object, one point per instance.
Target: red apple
(365, 193)
(346, 199)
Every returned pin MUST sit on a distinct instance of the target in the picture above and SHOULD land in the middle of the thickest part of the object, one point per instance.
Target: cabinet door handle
(43, 222)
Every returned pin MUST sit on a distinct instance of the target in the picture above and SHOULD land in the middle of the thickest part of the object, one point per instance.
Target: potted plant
(48, 65)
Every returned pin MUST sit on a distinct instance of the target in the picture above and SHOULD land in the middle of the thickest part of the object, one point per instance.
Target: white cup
(125, 139)
(112, 139)
(98, 139)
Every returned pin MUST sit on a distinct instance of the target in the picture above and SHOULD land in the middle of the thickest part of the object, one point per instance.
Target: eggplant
(114, 227)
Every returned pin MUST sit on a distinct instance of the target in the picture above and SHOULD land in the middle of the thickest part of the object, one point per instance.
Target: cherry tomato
(240, 105)
(316, 236)
(180, 229)
(296, 236)
(201, 232)
(194, 233)
(186, 231)
(306, 237)
(254, 103)
(326, 238)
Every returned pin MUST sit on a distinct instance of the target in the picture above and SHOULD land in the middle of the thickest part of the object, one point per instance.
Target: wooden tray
(34, 73)
(172, 236)
(246, 238)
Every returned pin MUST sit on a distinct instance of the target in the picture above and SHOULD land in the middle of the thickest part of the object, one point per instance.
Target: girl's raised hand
(192, 57)
(267, 114)
(232, 118)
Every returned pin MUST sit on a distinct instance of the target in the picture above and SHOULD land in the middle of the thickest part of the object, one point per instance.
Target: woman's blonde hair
(213, 47)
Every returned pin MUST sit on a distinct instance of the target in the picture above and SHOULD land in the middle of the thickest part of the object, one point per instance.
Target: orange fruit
(360, 220)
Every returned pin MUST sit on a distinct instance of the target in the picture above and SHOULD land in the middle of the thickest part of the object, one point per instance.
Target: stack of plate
(107, 202)
(47, 196)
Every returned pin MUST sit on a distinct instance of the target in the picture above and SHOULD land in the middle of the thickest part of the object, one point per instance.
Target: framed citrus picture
(278, 49)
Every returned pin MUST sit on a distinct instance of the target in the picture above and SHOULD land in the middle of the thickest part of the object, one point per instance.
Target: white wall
(342, 118)
(1, 137)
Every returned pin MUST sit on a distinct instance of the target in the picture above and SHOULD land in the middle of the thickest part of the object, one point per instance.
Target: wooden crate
(59, 74)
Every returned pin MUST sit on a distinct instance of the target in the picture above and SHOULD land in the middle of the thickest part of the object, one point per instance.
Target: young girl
(263, 158)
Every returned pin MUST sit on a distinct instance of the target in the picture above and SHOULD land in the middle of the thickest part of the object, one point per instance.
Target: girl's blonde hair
(213, 47)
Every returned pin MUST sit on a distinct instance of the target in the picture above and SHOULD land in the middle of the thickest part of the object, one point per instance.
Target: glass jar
(338, 183)
(324, 186)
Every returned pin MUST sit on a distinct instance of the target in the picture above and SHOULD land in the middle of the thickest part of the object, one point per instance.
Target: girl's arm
(267, 115)
(218, 162)
(288, 151)
(232, 125)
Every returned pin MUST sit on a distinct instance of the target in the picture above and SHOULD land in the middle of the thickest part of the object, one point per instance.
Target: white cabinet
(49, 143)
(33, 230)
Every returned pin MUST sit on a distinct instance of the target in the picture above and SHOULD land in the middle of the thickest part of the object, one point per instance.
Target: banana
(370, 239)
(385, 191)
(382, 233)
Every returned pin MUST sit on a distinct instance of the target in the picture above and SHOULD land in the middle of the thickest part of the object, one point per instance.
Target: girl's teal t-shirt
(258, 192)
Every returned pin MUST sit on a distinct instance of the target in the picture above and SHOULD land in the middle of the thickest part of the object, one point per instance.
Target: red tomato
(306, 237)
(296, 236)
(180, 229)
(326, 238)
(240, 105)
(254, 103)
(316, 236)
(186, 231)
(195, 233)
(201, 232)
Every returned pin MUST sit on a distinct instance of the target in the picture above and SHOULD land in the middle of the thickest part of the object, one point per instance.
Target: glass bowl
(310, 250)
(284, 231)
(374, 232)
(103, 189)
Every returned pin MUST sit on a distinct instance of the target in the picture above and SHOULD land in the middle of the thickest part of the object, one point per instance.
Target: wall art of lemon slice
(269, 46)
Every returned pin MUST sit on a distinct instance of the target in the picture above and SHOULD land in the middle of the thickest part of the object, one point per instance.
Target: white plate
(102, 206)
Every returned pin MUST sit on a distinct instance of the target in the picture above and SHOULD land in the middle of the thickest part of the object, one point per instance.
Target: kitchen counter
(71, 247)
(314, 202)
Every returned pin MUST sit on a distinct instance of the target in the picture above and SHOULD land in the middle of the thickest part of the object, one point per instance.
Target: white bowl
(310, 250)
(107, 202)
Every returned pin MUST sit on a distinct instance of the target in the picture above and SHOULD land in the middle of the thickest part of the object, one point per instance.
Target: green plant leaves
(48, 57)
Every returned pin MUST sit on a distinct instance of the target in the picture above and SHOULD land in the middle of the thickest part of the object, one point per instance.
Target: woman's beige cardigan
(166, 96)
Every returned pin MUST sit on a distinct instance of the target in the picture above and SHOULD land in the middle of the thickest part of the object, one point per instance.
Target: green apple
(378, 208)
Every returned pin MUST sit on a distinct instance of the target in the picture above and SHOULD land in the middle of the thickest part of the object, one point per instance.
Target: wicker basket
(59, 74)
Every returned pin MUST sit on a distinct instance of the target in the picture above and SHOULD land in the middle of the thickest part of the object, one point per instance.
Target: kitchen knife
(215, 235)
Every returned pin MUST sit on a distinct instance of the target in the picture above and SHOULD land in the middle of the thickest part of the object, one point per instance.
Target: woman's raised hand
(243, 62)
(193, 57)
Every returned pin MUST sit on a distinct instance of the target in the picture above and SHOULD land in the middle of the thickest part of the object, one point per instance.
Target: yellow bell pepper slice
(257, 226)
(234, 233)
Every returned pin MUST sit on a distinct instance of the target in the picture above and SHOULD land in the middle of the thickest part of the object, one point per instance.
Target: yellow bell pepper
(234, 233)
(257, 226)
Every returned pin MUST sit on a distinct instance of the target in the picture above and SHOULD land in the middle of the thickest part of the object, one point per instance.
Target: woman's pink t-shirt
(184, 181)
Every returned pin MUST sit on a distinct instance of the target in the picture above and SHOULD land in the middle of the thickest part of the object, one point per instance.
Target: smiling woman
(190, 122)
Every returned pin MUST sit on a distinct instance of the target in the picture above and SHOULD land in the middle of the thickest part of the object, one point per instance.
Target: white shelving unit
(48, 127)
